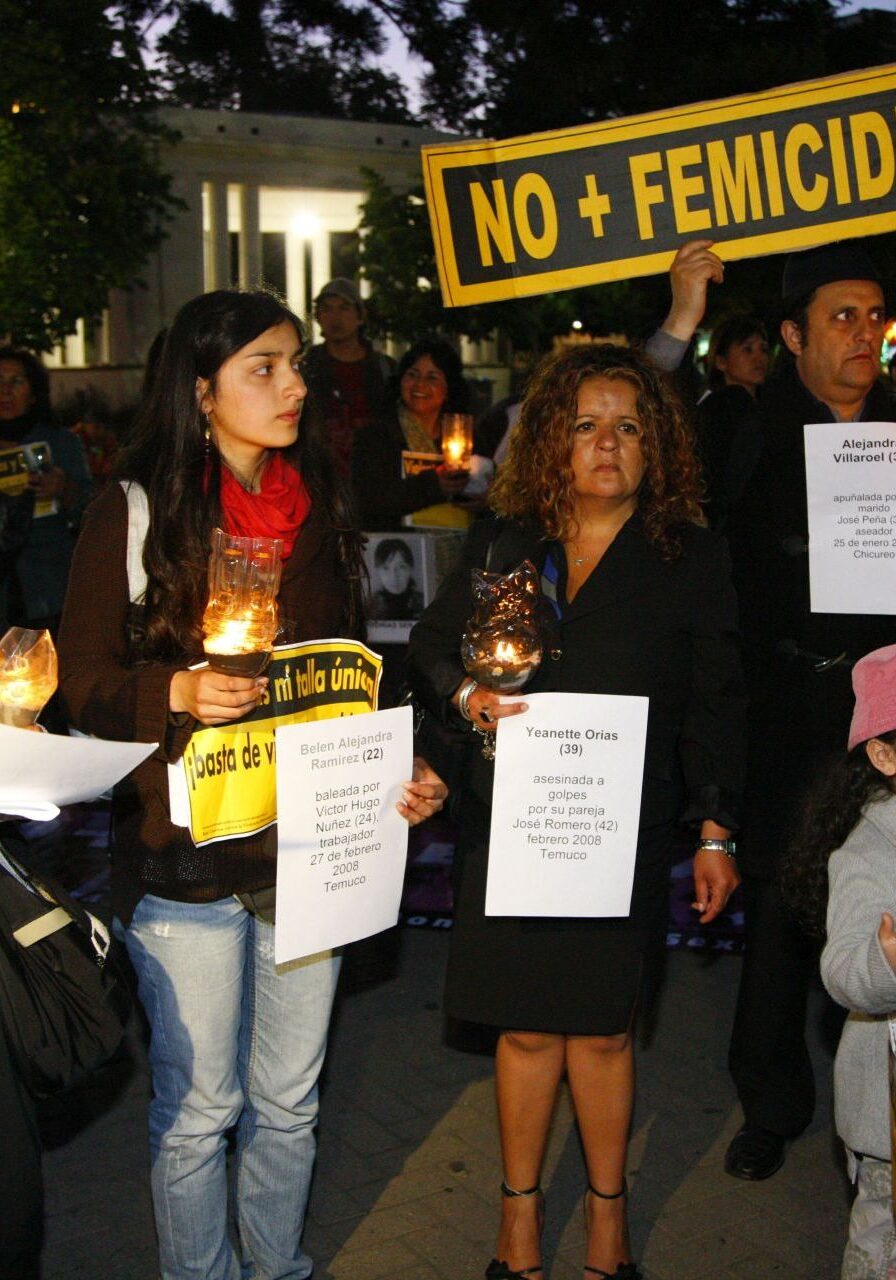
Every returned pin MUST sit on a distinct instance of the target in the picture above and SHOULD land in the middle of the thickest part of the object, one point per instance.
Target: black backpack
(64, 1002)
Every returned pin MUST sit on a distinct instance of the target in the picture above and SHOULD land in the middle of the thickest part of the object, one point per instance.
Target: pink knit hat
(874, 684)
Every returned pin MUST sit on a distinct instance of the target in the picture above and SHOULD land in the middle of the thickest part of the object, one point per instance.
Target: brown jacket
(106, 696)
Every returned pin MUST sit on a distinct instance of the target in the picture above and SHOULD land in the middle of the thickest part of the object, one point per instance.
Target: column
(218, 276)
(295, 274)
(250, 237)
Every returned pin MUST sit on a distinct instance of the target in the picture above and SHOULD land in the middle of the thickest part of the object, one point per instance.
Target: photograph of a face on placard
(396, 578)
(404, 571)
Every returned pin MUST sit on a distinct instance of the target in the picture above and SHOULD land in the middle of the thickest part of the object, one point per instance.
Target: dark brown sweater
(111, 699)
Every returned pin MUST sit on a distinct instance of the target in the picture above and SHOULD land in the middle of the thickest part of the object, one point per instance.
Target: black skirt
(562, 976)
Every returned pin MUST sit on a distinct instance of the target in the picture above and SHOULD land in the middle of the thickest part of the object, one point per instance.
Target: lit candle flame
(506, 651)
(234, 635)
(455, 450)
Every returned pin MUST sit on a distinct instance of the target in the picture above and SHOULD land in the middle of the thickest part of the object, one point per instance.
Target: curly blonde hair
(536, 480)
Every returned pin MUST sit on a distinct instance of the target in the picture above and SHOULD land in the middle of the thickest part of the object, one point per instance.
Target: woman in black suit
(600, 491)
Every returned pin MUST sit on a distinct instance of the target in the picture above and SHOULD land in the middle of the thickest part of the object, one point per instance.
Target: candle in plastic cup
(28, 675)
(240, 621)
(457, 440)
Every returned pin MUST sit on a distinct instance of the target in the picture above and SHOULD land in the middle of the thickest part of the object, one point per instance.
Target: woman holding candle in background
(429, 382)
(234, 1042)
(599, 490)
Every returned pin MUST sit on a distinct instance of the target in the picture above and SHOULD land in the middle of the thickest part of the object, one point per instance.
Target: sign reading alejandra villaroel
(783, 169)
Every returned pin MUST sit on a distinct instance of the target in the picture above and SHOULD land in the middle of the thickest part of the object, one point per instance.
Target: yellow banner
(762, 173)
(230, 770)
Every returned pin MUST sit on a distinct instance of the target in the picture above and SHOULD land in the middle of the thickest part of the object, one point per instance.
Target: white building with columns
(265, 198)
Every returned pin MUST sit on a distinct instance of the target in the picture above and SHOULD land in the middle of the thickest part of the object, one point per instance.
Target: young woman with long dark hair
(234, 1041)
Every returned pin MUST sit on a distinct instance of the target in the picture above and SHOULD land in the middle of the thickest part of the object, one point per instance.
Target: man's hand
(693, 266)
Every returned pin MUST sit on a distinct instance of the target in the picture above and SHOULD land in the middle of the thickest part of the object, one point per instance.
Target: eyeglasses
(13, 382)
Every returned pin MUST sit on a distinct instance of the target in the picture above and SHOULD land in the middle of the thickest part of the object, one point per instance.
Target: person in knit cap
(346, 378)
(841, 877)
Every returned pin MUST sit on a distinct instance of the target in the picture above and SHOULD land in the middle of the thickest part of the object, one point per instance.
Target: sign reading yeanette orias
(784, 169)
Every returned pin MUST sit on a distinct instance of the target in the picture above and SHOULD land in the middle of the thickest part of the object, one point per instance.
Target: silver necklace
(577, 560)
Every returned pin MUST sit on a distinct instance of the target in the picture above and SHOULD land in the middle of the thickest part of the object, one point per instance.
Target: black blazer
(639, 625)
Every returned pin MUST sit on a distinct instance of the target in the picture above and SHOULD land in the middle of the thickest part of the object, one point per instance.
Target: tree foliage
(82, 201)
(308, 57)
(502, 68)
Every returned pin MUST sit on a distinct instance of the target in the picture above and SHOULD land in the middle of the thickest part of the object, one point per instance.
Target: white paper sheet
(851, 491)
(41, 771)
(565, 808)
(342, 846)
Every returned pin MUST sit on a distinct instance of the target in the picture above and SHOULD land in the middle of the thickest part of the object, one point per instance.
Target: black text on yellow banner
(784, 169)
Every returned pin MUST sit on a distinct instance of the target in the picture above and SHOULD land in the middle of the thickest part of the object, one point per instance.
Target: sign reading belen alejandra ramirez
(784, 169)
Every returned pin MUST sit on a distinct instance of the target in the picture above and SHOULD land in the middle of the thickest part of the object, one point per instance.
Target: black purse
(64, 1002)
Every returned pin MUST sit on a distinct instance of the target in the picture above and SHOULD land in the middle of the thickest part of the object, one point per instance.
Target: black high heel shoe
(624, 1270)
(497, 1270)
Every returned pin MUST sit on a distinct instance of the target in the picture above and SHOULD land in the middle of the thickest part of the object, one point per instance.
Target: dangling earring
(208, 434)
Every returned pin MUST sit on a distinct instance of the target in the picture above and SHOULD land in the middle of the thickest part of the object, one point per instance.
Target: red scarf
(278, 511)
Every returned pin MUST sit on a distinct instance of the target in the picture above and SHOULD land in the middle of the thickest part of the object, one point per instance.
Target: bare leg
(601, 1073)
(528, 1068)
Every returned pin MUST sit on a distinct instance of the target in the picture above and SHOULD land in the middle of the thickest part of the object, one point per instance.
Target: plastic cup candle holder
(457, 441)
(502, 645)
(240, 621)
(28, 675)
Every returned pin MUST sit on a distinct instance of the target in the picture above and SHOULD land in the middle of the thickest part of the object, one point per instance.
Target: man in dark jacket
(798, 671)
(346, 378)
(797, 662)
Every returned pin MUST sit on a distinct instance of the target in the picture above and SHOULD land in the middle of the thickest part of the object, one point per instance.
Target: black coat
(797, 716)
(639, 625)
(729, 442)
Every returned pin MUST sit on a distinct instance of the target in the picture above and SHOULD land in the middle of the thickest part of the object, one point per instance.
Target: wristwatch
(718, 846)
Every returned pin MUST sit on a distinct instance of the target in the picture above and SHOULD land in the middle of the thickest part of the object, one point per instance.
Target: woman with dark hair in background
(234, 1041)
(428, 382)
(729, 439)
(599, 490)
(61, 489)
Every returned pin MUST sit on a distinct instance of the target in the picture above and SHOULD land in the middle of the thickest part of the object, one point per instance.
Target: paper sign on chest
(342, 845)
(851, 493)
(567, 799)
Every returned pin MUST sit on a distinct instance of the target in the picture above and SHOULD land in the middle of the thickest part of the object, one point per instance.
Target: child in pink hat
(850, 825)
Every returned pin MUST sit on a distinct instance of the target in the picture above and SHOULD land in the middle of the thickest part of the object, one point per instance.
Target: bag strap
(42, 927)
(59, 915)
(138, 526)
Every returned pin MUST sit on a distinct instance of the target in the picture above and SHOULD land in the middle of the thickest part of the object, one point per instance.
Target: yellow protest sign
(762, 173)
(18, 464)
(227, 775)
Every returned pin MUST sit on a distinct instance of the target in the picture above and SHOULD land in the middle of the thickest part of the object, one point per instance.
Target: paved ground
(408, 1171)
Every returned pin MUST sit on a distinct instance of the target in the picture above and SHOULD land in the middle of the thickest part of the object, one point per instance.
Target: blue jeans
(233, 1042)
